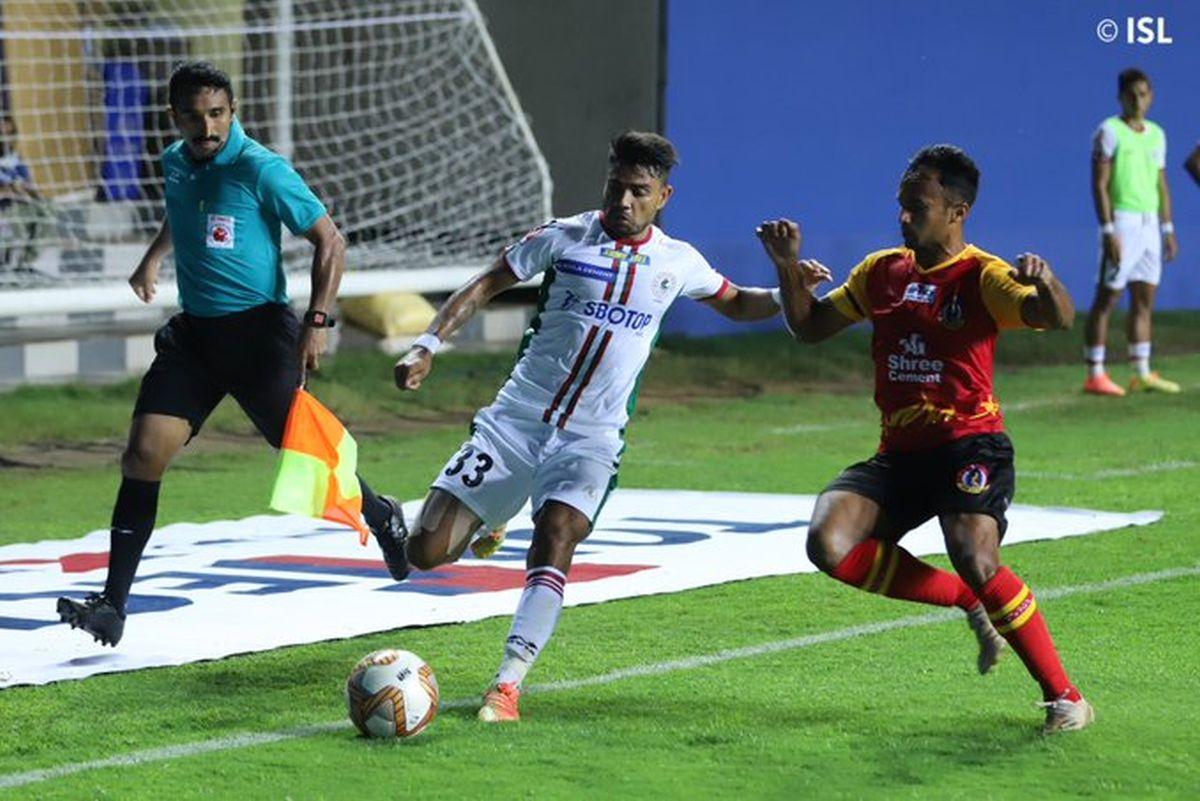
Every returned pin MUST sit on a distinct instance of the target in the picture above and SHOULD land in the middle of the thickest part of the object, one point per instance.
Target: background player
(1192, 165)
(226, 197)
(555, 431)
(1133, 204)
(936, 306)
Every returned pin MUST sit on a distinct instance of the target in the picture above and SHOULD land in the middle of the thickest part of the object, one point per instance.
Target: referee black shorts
(972, 474)
(252, 355)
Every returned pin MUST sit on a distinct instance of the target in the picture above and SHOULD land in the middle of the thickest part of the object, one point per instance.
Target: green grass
(892, 715)
(357, 384)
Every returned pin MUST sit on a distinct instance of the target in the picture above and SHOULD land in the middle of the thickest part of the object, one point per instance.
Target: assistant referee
(226, 198)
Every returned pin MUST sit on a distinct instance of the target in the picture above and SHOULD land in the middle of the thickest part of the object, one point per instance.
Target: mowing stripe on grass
(688, 663)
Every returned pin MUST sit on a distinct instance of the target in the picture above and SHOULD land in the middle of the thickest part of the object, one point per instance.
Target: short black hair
(651, 151)
(956, 172)
(190, 77)
(1129, 77)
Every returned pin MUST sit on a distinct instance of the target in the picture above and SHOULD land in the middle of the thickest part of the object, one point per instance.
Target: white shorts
(1141, 250)
(512, 457)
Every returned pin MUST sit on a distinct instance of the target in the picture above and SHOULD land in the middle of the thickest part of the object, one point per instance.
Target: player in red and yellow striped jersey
(936, 306)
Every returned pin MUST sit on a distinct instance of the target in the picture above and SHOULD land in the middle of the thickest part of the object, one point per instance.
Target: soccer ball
(392, 693)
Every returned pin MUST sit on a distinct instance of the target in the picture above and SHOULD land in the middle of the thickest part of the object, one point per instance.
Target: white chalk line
(812, 428)
(1041, 403)
(1117, 472)
(1029, 405)
(246, 740)
(1032, 404)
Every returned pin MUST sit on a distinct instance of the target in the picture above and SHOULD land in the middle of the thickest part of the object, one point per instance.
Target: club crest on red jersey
(973, 479)
(952, 315)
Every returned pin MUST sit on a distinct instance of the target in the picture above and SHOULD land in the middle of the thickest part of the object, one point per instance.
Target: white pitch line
(1016, 406)
(808, 640)
(1117, 472)
(809, 428)
(236, 741)
(1039, 403)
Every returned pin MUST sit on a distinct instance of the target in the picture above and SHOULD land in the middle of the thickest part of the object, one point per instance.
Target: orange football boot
(500, 704)
(1103, 385)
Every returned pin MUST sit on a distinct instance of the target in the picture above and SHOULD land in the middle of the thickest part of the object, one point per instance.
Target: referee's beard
(204, 148)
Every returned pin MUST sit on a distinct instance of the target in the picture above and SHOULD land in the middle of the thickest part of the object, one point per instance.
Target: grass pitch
(896, 714)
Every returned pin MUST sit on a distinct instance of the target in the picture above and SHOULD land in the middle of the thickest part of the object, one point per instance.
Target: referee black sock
(132, 523)
(374, 510)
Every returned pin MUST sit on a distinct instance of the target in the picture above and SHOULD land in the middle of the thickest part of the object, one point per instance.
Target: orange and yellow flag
(318, 467)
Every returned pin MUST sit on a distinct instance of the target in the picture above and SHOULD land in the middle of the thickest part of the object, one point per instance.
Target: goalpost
(397, 112)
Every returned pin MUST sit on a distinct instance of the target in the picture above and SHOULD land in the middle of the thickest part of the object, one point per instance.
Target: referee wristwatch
(314, 318)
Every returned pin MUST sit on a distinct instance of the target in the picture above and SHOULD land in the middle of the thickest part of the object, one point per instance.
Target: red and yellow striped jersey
(934, 341)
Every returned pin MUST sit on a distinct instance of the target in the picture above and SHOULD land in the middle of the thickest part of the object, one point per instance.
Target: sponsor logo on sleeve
(220, 232)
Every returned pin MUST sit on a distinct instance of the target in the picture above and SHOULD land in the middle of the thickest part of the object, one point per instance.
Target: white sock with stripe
(533, 624)
(1094, 356)
(1139, 357)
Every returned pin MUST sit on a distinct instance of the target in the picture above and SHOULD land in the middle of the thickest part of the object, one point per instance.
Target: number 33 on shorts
(471, 464)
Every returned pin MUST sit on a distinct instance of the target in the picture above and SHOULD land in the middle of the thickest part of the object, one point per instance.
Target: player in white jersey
(554, 432)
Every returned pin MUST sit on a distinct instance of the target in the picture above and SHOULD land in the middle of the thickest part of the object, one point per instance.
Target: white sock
(1139, 357)
(1094, 356)
(533, 624)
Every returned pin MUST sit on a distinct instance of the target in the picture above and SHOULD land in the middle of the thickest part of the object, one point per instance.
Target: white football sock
(1094, 356)
(533, 624)
(1139, 357)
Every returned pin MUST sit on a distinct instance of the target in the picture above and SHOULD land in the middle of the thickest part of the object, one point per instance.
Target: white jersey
(601, 305)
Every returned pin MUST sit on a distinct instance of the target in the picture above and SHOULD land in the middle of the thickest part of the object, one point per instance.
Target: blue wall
(810, 110)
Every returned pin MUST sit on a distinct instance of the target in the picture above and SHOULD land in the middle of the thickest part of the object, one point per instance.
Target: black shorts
(252, 355)
(972, 474)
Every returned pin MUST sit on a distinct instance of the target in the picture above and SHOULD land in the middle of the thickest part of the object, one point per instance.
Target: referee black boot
(96, 615)
(392, 537)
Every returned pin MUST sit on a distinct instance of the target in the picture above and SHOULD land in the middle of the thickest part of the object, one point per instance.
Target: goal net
(397, 112)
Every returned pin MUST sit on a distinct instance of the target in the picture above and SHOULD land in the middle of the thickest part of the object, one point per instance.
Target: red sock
(887, 569)
(1016, 615)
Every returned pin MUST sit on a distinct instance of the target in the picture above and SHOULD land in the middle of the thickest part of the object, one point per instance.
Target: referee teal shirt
(225, 216)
